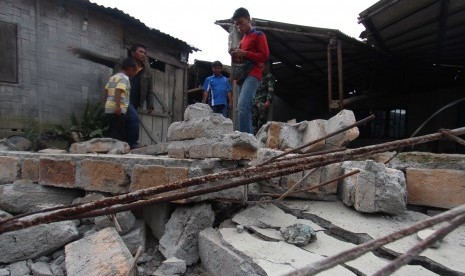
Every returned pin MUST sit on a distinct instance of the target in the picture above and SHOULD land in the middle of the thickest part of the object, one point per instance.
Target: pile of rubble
(244, 230)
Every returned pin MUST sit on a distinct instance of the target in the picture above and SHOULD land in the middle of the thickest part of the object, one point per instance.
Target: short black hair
(128, 63)
(217, 63)
(240, 12)
(137, 45)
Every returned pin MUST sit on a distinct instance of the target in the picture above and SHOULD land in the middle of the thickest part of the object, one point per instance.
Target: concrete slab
(275, 258)
(449, 254)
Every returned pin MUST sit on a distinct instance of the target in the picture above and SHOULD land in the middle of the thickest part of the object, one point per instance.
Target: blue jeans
(132, 126)
(222, 109)
(247, 92)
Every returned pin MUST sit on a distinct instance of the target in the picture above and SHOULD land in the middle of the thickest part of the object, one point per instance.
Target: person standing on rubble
(262, 102)
(219, 89)
(253, 48)
(116, 97)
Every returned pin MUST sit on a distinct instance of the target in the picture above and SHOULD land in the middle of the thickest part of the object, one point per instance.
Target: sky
(194, 21)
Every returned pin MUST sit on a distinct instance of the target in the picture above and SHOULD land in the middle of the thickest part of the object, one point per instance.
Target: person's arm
(118, 93)
(205, 97)
(94, 57)
(230, 100)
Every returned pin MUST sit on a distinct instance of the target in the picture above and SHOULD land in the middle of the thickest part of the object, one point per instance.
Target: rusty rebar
(421, 246)
(363, 248)
(293, 166)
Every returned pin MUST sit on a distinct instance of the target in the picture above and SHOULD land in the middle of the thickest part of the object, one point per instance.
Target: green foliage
(93, 124)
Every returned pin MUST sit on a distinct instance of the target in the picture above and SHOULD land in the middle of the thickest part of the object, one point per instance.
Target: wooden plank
(435, 187)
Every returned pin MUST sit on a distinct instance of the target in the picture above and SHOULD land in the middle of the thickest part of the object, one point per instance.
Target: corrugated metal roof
(126, 17)
(300, 57)
(427, 31)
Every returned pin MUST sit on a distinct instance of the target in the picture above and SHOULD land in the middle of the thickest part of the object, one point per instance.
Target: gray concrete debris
(157, 149)
(5, 272)
(4, 215)
(19, 268)
(126, 221)
(427, 160)
(20, 142)
(156, 216)
(375, 189)
(233, 146)
(41, 269)
(218, 258)
(52, 151)
(101, 254)
(7, 145)
(171, 266)
(275, 258)
(181, 234)
(343, 119)
(136, 237)
(100, 145)
(197, 110)
(355, 226)
(36, 241)
(212, 126)
(298, 234)
(23, 196)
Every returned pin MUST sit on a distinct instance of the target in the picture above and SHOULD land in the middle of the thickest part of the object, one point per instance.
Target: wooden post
(340, 75)
(330, 79)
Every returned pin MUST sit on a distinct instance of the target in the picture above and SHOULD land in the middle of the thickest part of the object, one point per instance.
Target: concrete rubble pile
(217, 233)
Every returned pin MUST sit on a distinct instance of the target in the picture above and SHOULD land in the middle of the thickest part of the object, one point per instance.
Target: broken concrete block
(23, 196)
(375, 189)
(220, 259)
(232, 146)
(197, 110)
(41, 268)
(156, 216)
(427, 160)
(298, 234)
(100, 145)
(269, 216)
(136, 237)
(328, 173)
(101, 254)
(208, 127)
(36, 241)
(126, 221)
(19, 268)
(314, 130)
(275, 258)
(171, 266)
(436, 187)
(181, 233)
(343, 119)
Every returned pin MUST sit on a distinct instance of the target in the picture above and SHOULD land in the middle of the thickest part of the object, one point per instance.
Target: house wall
(53, 83)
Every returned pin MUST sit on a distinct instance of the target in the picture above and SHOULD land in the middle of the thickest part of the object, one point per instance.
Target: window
(8, 52)
(390, 123)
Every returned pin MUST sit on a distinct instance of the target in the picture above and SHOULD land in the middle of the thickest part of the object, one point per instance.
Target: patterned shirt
(117, 81)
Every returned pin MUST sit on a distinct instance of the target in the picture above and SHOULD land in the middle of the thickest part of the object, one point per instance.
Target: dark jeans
(222, 109)
(116, 125)
(132, 126)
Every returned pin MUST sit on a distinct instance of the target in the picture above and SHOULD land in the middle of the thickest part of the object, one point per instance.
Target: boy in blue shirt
(219, 89)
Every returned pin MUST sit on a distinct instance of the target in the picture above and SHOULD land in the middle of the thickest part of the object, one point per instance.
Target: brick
(8, 169)
(441, 188)
(30, 170)
(60, 173)
(273, 135)
(151, 176)
(104, 176)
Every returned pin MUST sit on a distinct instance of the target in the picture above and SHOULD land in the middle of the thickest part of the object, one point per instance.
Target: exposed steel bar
(357, 251)
(305, 177)
(327, 182)
(252, 175)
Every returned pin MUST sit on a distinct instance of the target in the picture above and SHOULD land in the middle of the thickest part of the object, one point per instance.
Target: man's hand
(267, 104)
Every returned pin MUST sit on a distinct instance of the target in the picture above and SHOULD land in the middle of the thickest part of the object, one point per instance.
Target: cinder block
(151, 176)
(30, 170)
(273, 135)
(8, 169)
(60, 173)
(103, 176)
(441, 188)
